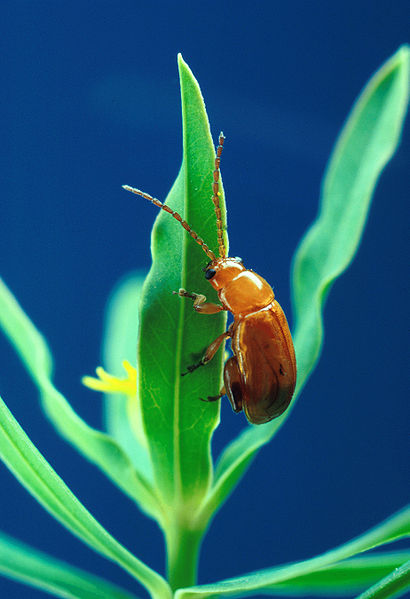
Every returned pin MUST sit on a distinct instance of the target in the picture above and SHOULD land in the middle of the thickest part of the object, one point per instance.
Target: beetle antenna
(177, 217)
(216, 194)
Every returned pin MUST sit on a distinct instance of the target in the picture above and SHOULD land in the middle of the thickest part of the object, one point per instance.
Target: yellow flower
(111, 384)
(108, 383)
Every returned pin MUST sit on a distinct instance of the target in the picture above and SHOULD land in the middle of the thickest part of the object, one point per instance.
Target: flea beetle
(260, 377)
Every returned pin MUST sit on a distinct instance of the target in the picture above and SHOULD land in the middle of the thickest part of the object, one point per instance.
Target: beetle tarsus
(193, 367)
(184, 293)
(212, 398)
(199, 301)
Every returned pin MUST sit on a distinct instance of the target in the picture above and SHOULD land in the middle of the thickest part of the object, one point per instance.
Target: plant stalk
(183, 546)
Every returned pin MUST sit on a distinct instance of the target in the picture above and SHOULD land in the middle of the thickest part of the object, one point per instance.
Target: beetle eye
(210, 273)
(238, 259)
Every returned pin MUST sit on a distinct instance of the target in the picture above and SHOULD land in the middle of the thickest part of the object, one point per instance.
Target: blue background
(90, 100)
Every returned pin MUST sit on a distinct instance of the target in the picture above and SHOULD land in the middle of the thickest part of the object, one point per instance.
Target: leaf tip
(400, 61)
(404, 51)
(181, 61)
(185, 72)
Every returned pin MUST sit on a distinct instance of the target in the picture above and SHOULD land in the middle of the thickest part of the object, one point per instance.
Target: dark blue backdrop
(91, 101)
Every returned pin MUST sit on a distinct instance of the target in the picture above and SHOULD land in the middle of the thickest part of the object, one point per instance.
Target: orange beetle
(260, 377)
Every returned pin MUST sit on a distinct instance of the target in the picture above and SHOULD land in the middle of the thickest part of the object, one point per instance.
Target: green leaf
(368, 141)
(393, 585)
(397, 526)
(123, 416)
(25, 564)
(344, 578)
(95, 445)
(172, 335)
(36, 475)
(365, 145)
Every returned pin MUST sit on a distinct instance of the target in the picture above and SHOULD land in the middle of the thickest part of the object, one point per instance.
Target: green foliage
(314, 571)
(95, 445)
(23, 563)
(394, 584)
(122, 420)
(366, 143)
(329, 245)
(157, 445)
(172, 336)
(35, 473)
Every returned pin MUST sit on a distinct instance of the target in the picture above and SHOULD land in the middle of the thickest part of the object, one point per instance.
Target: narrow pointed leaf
(367, 142)
(95, 445)
(396, 527)
(365, 145)
(36, 475)
(344, 578)
(394, 584)
(122, 416)
(172, 335)
(29, 566)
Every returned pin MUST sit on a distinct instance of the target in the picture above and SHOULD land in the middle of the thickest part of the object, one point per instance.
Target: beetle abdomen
(263, 347)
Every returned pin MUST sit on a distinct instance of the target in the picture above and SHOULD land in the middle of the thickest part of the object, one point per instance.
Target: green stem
(183, 547)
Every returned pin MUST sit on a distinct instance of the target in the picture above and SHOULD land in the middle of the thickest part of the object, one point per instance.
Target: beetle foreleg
(209, 353)
(200, 303)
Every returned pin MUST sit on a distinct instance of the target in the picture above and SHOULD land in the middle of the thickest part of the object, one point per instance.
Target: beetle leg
(209, 353)
(233, 384)
(200, 303)
(211, 398)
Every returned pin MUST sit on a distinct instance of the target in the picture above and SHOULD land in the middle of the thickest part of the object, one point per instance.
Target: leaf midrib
(177, 387)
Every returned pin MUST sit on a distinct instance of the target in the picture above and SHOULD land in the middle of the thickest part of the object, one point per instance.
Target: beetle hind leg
(232, 388)
(233, 384)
